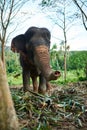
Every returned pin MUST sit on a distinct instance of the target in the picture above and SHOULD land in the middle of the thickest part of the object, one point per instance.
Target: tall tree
(8, 11)
(8, 118)
(82, 5)
(62, 14)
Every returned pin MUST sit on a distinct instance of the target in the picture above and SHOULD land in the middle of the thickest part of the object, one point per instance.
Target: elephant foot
(26, 88)
(42, 90)
(35, 88)
(49, 89)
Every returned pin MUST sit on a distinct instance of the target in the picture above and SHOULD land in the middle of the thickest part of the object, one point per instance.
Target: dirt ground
(64, 109)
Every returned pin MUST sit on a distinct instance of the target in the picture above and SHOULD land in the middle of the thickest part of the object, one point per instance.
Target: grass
(14, 81)
(72, 76)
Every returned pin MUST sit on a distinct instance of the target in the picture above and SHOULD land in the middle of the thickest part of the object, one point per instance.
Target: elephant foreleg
(26, 79)
(48, 86)
(35, 84)
(42, 84)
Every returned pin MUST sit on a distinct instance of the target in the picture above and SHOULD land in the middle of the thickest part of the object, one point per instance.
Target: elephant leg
(26, 79)
(42, 84)
(35, 84)
(48, 86)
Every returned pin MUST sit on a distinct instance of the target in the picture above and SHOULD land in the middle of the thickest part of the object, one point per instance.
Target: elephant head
(38, 43)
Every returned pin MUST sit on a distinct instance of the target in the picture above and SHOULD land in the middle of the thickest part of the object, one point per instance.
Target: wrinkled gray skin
(33, 47)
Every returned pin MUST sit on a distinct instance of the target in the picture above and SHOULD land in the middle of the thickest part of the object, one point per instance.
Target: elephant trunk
(43, 61)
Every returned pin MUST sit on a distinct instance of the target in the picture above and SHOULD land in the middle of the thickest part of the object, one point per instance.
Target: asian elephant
(33, 47)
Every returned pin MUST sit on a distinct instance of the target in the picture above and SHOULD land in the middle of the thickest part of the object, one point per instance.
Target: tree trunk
(8, 118)
(65, 68)
(3, 54)
(65, 42)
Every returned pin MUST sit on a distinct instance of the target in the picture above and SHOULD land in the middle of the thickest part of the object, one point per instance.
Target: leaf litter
(64, 109)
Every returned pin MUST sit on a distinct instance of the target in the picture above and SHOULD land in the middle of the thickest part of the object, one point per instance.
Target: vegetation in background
(76, 66)
(65, 19)
(12, 63)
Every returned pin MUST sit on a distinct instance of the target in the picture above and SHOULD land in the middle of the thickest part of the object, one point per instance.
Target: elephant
(34, 46)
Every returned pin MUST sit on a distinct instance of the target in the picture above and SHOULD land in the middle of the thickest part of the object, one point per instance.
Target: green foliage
(77, 60)
(54, 60)
(71, 77)
(76, 66)
(13, 68)
(85, 70)
(14, 81)
(12, 63)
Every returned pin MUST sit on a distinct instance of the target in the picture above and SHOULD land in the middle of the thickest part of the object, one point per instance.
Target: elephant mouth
(57, 73)
(54, 75)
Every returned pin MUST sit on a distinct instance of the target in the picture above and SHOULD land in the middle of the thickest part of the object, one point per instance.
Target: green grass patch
(72, 76)
(14, 81)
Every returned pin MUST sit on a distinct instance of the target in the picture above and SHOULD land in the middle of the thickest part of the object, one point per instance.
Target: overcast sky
(31, 15)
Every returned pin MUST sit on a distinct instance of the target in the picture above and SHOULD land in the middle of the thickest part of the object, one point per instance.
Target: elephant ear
(18, 43)
(46, 35)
